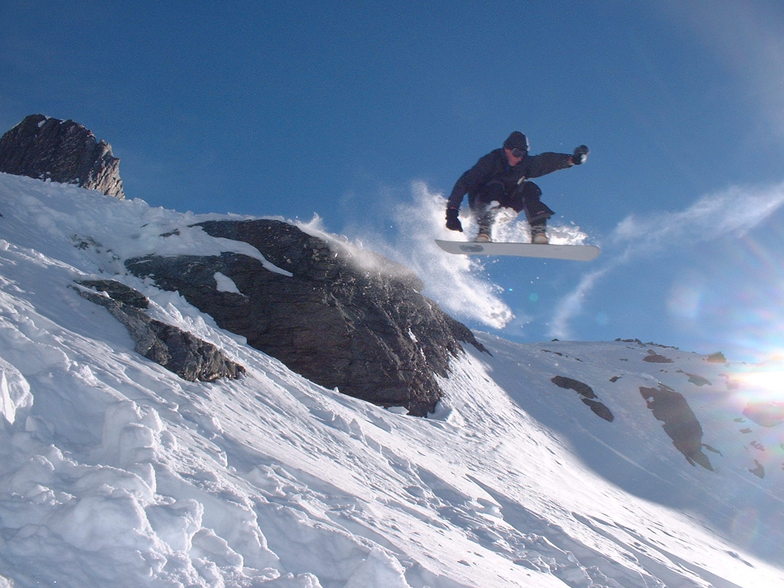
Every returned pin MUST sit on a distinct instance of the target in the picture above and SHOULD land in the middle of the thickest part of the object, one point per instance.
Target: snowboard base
(567, 252)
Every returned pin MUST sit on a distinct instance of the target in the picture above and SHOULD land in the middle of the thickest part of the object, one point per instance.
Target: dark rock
(654, 357)
(711, 448)
(178, 351)
(119, 292)
(600, 409)
(588, 396)
(679, 420)
(696, 379)
(61, 151)
(639, 343)
(358, 325)
(571, 384)
(758, 469)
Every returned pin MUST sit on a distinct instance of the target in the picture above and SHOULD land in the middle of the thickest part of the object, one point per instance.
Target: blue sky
(352, 110)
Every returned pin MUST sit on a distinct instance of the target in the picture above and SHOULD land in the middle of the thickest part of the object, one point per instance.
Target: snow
(115, 472)
(225, 284)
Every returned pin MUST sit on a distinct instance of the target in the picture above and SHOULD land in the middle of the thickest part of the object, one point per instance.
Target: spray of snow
(459, 284)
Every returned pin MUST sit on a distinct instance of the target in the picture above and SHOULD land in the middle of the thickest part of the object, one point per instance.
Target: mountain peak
(60, 151)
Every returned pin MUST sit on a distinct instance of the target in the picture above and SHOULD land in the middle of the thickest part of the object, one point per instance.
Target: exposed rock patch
(758, 469)
(61, 151)
(589, 397)
(654, 357)
(571, 384)
(178, 351)
(695, 379)
(679, 420)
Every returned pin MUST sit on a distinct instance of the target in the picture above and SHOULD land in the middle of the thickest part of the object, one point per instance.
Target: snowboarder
(500, 179)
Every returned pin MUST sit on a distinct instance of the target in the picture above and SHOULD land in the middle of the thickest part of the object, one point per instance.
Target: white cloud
(732, 212)
(571, 305)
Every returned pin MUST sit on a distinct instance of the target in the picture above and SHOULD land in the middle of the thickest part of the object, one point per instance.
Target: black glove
(452, 222)
(580, 155)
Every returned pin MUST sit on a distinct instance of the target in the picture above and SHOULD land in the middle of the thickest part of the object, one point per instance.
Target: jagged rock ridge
(61, 151)
(367, 332)
(178, 351)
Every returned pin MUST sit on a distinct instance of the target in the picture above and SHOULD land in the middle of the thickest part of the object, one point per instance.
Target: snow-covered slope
(115, 472)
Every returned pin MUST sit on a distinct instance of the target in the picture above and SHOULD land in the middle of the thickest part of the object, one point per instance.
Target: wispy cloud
(734, 211)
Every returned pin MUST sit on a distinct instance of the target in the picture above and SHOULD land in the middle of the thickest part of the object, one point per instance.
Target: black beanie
(516, 140)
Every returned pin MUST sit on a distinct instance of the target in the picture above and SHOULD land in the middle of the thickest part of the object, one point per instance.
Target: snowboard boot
(482, 238)
(539, 235)
(485, 222)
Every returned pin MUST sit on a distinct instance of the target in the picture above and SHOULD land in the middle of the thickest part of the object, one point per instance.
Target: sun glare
(764, 380)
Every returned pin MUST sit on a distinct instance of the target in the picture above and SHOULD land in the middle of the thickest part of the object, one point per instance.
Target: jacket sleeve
(471, 180)
(546, 163)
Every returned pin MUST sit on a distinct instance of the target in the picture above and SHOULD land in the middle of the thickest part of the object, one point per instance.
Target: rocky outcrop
(178, 351)
(654, 357)
(717, 357)
(359, 325)
(61, 151)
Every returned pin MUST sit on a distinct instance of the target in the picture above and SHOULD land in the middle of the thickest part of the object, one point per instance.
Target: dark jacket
(494, 166)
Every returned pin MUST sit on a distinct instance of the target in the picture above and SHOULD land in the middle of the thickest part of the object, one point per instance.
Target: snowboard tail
(567, 252)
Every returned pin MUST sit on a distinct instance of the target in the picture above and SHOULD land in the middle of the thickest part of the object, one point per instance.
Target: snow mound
(116, 472)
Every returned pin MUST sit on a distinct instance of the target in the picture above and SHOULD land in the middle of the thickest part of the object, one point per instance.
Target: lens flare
(685, 301)
(760, 382)
(745, 525)
(767, 380)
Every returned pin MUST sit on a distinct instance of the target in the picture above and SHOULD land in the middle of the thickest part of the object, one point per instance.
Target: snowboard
(568, 252)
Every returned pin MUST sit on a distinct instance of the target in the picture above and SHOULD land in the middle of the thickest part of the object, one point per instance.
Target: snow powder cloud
(458, 283)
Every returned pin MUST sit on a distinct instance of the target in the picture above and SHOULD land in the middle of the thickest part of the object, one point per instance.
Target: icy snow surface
(115, 472)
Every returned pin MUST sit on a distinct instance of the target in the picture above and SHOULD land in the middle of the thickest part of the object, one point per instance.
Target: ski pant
(523, 198)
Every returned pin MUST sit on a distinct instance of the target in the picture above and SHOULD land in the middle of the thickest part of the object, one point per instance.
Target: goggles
(518, 152)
